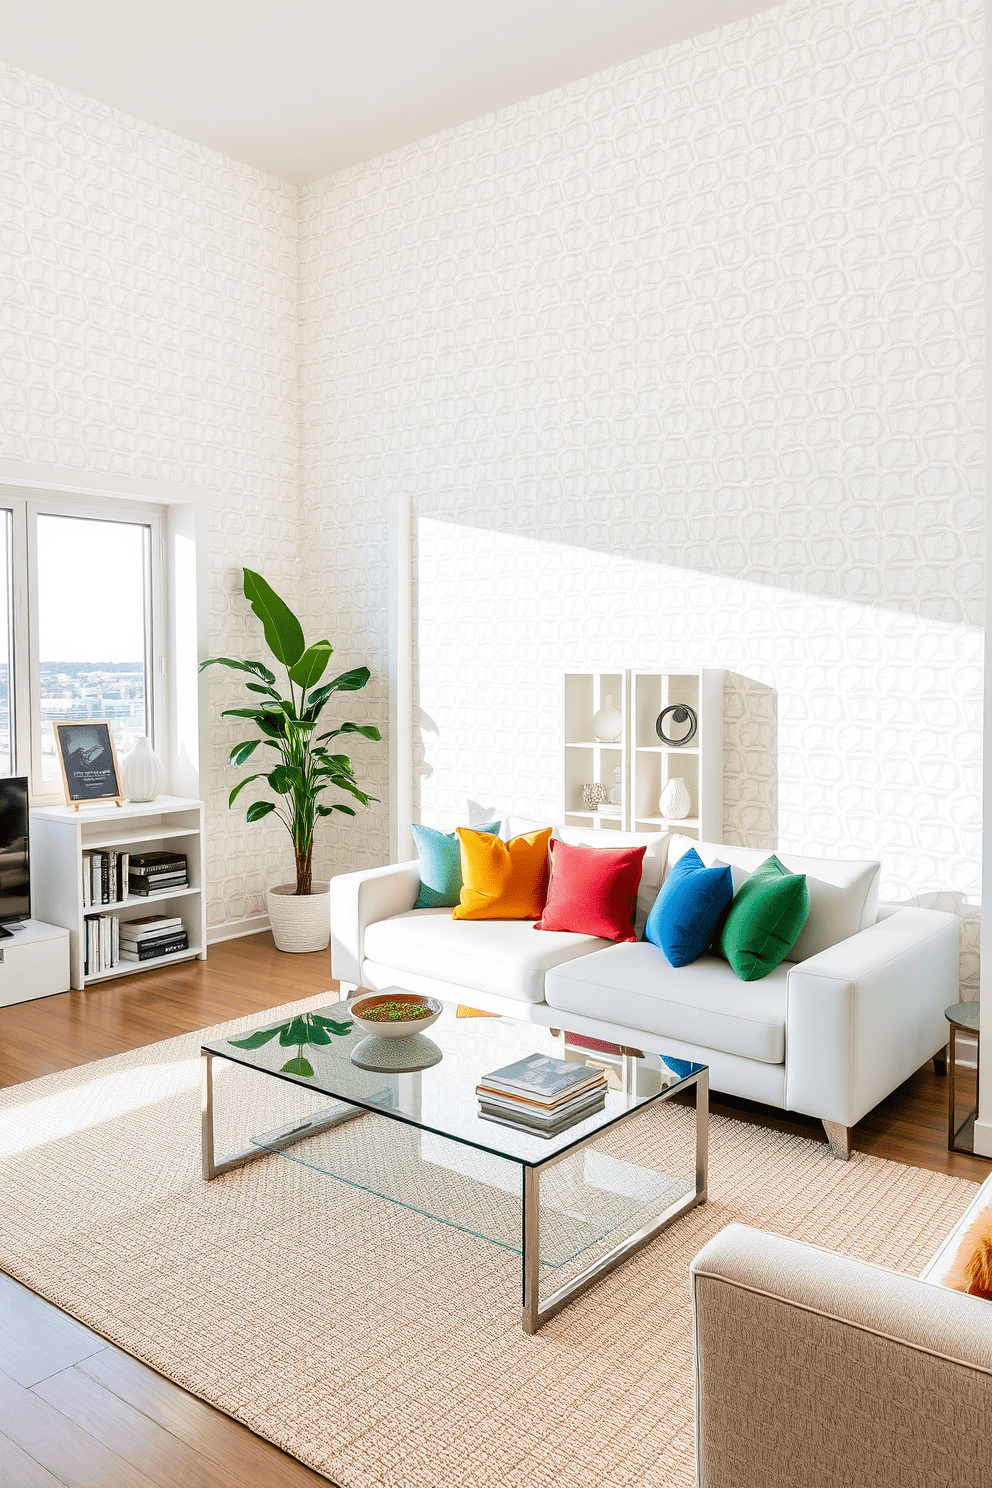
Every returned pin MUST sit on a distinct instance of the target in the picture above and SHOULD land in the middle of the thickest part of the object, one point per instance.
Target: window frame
(25, 693)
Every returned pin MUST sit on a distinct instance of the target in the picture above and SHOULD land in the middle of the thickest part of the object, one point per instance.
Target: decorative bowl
(394, 1028)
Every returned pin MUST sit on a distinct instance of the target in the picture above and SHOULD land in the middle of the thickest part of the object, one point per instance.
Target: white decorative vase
(300, 922)
(607, 723)
(142, 772)
(674, 801)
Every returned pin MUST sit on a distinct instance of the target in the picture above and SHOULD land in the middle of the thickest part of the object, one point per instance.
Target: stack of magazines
(151, 936)
(541, 1095)
(156, 872)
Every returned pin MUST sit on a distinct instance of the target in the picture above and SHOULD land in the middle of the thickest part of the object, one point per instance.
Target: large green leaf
(255, 667)
(285, 778)
(255, 1040)
(367, 731)
(298, 1066)
(352, 681)
(283, 632)
(340, 1027)
(242, 752)
(326, 810)
(312, 664)
(273, 724)
(260, 775)
(258, 809)
(294, 1032)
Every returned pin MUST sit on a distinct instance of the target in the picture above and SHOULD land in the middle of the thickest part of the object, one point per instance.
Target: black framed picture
(89, 761)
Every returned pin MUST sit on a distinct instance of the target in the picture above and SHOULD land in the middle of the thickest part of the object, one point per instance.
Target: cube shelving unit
(699, 764)
(589, 760)
(59, 837)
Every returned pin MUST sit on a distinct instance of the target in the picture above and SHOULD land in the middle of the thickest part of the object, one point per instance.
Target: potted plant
(287, 723)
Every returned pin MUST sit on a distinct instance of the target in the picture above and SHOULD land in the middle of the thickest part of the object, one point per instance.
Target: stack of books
(541, 1095)
(105, 877)
(152, 935)
(156, 872)
(102, 947)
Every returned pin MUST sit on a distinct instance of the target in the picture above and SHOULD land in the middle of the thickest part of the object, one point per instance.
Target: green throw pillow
(764, 920)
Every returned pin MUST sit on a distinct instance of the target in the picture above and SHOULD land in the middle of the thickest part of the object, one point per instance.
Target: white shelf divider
(60, 836)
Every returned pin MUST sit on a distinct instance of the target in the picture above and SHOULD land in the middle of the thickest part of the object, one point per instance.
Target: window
(80, 628)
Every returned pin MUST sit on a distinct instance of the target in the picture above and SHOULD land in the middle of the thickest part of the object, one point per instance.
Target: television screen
(15, 869)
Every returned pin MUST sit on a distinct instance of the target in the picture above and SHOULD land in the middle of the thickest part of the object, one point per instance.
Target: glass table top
(431, 1081)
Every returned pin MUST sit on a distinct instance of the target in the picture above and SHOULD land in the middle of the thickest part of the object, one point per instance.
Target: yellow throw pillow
(503, 880)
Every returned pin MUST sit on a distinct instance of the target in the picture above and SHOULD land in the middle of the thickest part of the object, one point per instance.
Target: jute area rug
(378, 1346)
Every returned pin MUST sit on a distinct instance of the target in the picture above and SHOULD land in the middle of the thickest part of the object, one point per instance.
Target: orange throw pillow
(503, 880)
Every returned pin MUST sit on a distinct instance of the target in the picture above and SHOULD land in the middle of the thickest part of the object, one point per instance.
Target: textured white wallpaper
(148, 326)
(682, 365)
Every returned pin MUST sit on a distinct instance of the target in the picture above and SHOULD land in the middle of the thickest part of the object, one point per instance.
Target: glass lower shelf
(587, 1198)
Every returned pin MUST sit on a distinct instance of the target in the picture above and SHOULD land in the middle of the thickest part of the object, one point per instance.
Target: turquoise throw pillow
(441, 865)
(687, 911)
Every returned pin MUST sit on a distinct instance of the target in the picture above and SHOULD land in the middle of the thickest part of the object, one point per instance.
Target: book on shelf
(102, 944)
(151, 951)
(541, 1080)
(157, 862)
(105, 877)
(143, 887)
(147, 927)
(149, 942)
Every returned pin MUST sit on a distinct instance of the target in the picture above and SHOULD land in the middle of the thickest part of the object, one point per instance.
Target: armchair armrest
(814, 1368)
(359, 900)
(866, 1013)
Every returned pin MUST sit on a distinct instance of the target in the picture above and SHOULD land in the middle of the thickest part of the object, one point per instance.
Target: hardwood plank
(215, 1437)
(59, 1445)
(18, 1470)
(158, 1452)
(38, 1339)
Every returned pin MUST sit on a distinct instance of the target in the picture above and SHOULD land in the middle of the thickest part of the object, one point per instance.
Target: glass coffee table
(573, 1205)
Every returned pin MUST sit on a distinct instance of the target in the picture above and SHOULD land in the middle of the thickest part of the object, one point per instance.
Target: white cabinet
(60, 836)
(34, 962)
(638, 760)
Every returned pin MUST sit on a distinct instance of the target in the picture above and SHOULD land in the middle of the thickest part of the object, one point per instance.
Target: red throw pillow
(593, 890)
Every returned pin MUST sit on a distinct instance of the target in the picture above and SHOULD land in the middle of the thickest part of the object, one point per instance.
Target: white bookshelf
(588, 760)
(699, 763)
(60, 836)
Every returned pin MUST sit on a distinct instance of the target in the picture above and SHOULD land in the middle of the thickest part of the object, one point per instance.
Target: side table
(961, 1015)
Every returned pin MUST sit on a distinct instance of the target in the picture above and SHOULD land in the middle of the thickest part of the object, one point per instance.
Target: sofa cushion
(593, 890)
(769, 910)
(702, 1004)
(504, 957)
(843, 895)
(688, 909)
(440, 856)
(652, 869)
(502, 880)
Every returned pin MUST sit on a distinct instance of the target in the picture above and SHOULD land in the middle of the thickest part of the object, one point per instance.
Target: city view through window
(92, 622)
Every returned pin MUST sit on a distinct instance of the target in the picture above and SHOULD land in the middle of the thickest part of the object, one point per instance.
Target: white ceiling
(302, 88)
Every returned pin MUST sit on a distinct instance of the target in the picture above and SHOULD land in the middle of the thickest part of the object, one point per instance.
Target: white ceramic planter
(300, 922)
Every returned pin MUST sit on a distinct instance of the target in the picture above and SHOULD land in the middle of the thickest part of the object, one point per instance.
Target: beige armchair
(815, 1371)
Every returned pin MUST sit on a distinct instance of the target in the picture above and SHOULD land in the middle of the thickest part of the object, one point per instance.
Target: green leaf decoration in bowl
(394, 1015)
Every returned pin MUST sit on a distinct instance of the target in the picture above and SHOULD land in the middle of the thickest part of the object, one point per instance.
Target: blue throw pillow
(690, 906)
(441, 865)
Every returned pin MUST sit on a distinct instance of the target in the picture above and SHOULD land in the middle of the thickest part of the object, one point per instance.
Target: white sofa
(856, 1009)
(868, 1379)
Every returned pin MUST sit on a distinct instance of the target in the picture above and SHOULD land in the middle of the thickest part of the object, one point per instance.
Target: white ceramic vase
(300, 922)
(607, 723)
(674, 801)
(142, 772)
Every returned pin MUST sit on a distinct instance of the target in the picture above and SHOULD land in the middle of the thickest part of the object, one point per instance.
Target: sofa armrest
(866, 1013)
(814, 1368)
(359, 900)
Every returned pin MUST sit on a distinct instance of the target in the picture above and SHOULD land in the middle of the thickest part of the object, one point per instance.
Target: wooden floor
(76, 1412)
